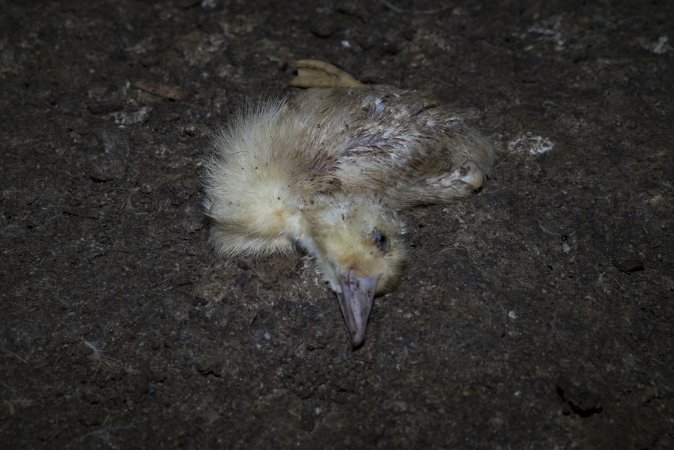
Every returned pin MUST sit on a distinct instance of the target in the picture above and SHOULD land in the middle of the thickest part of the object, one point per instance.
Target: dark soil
(537, 314)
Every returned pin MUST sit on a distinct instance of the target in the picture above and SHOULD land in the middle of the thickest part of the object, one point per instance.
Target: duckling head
(357, 242)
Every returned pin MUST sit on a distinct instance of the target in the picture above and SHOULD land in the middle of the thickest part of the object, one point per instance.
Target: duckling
(327, 169)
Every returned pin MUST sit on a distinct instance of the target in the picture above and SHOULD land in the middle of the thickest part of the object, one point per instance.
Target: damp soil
(536, 314)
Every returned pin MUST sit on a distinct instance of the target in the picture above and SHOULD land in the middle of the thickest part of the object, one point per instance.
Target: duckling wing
(400, 143)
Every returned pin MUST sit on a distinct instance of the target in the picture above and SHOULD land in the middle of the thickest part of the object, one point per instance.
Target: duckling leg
(312, 73)
(469, 176)
(463, 181)
(442, 188)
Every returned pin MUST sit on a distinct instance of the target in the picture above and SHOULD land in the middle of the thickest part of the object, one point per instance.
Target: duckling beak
(356, 303)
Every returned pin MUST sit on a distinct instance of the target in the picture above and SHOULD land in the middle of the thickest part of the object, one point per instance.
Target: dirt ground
(536, 314)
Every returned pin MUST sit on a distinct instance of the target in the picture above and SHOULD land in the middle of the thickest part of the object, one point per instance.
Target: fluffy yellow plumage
(327, 170)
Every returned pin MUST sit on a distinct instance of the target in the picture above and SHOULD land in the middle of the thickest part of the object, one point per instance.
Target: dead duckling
(327, 169)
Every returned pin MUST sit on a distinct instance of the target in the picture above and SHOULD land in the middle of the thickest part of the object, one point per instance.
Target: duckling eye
(380, 240)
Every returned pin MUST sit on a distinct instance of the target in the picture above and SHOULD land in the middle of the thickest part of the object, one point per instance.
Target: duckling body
(327, 170)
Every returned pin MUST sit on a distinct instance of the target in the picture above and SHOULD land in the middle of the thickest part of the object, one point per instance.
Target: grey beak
(356, 303)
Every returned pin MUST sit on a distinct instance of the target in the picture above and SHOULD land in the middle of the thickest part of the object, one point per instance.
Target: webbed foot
(312, 73)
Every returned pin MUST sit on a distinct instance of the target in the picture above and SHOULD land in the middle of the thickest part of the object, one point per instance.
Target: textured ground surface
(537, 314)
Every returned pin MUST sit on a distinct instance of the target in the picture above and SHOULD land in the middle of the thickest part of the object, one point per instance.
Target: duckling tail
(355, 302)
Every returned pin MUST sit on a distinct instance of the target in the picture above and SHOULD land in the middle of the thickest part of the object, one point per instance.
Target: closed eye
(380, 240)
